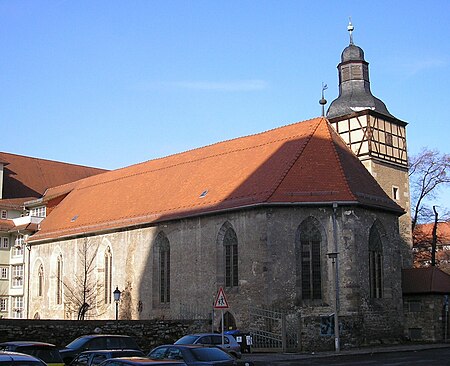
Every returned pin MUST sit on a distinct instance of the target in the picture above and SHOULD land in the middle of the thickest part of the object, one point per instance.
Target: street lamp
(116, 300)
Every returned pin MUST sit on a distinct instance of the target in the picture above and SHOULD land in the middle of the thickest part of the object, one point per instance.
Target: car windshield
(210, 354)
(77, 343)
(189, 339)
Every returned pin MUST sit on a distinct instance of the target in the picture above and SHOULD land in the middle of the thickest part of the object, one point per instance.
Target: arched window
(163, 254)
(309, 271)
(375, 262)
(230, 245)
(40, 289)
(108, 275)
(59, 278)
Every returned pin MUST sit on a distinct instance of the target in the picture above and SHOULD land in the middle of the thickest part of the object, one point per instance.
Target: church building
(301, 220)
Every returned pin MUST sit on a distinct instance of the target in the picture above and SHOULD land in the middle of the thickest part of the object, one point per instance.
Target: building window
(388, 138)
(230, 245)
(38, 211)
(17, 307)
(4, 243)
(40, 280)
(3, 304)
(4, 273)
(4, 214)
(309, 260)
(17, 276)
(18, 246)
(162, 255)
(395, 193)
(375, 263)
(59, 274)
(108, 275)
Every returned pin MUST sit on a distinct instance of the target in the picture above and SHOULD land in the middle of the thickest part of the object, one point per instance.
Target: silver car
(213, 339)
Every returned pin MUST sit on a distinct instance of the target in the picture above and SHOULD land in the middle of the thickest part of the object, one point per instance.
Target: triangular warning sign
(221, 301)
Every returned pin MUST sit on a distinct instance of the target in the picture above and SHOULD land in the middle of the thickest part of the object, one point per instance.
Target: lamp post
(333, 257)
(116, 300)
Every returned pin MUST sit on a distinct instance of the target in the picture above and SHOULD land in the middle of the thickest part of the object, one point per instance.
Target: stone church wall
(267, 271)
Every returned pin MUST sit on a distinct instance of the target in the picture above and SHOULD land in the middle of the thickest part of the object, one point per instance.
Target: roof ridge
(294, 160)
(272, 141)
(218, 142)
(51, 161)
(341, 169)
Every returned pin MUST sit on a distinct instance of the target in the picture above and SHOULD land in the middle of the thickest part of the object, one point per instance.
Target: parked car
(193, 355)
(91, 358)
(19, 359)
(96, 342)
(47, 352)
(213, 339)
(139, 361)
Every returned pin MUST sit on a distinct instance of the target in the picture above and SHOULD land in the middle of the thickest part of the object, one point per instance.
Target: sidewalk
(277, 357)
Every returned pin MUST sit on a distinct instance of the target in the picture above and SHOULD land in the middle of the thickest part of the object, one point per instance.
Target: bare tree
(428, 173)
(81, 290)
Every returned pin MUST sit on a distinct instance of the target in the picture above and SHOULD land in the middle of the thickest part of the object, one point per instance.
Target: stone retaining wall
(147, 333)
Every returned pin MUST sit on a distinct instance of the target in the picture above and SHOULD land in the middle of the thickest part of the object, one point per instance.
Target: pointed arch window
(163, 254)
(108, 276)
(59, 283)
(309, 260)
(230, 244)
(375, 263)
(40, 289)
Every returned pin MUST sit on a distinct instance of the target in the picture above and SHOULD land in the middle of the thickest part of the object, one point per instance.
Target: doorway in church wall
(229, 322)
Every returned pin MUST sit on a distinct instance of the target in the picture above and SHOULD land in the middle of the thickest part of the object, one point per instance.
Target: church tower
(374, 135)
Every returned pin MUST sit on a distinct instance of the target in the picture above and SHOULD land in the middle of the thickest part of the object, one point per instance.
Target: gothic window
(375, 263)
(309, 272)
(230, 245)
(40, 289)
(163, 256)
(108, 275)
(59, 274)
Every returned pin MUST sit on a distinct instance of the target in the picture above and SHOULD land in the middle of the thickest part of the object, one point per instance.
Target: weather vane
(350, 29)
(323, 101)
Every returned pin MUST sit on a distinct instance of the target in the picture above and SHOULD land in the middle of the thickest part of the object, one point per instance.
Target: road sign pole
(223, 340)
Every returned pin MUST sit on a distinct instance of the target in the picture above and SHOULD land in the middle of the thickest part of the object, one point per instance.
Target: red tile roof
(302, 163)
(423, 233)
(425, 280)
(26, 178)
(6, 225)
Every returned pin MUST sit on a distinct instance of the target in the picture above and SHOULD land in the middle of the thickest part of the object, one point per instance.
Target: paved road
(429, 357)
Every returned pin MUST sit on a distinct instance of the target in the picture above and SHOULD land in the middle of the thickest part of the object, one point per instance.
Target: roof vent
(74, 218)
(204, 193)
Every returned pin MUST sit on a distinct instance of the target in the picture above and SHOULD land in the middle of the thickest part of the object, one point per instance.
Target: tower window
(388, 137)
(395, 193)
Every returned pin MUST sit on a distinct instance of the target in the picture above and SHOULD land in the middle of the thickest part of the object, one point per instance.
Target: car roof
(206, 334)
(111, 351)
(186, 346)
(146, 360)
(16, 356)
(27, 343)
(104, 335)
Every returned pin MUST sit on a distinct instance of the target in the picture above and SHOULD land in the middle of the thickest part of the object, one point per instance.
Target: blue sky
(113, 83)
